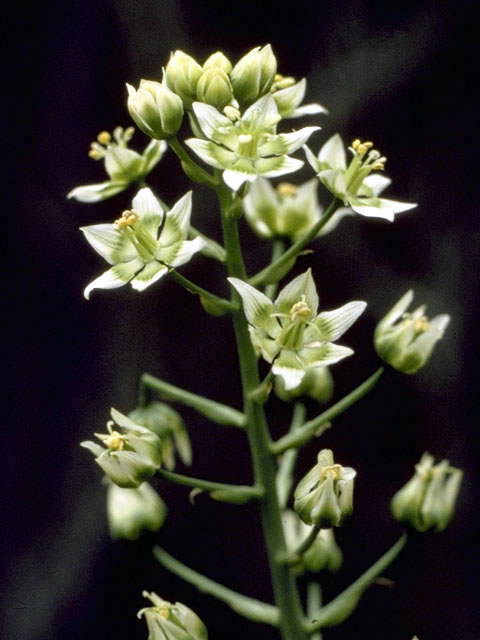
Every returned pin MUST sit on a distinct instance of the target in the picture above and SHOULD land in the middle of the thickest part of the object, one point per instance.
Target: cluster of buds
(167, 621)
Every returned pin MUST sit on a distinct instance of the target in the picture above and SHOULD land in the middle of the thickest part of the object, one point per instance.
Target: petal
(285, 143)
(263, 344)
(307, 110)
(288, 99)
(236, 176)
(312, 160)
(260, 110)
(177, 221)
(373, 185)
(121, 162)
(211, 153)
(396, 312)
(332, 154)
(149, 210)
(257, 307)
(379, 207)
(334, 180)
(210, 119)
(185, 250)
(97, 192)
(330, 325)
(277, 166)
(115, 277)
(335, 220)
(289, 368)
(111, 244)
(152, 272)
(153, 153)
(302, 285)
(323, 355)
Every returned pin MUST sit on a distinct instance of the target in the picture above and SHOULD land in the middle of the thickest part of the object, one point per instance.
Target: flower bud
(214, 88)
(182, 74)
(220, 61)
(129, 457)
(130, 511)
(169, 427)
(253, 75)
(317, 384)
(156, 110)
(427, 501)
(406, 340)
(167, 621)
(324, 497)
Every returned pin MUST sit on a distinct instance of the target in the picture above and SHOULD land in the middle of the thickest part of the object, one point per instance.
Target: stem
(264, 463)
(310, 429)
(288, 459)
(248, 607)
(314, 604)
(191, 168)
(309, 540)
(277, 250)
(219, 413)
(238, 494)
(263, 277)
(190, 286)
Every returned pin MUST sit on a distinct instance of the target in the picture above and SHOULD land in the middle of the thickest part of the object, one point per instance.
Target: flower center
(286, 190)
(300, 310)
(365, 160)
(127, 219)
(335, 469)
(114, 441)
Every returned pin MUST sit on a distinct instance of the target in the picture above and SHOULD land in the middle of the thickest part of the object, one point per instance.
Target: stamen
(355, 144)
(95, 154)
(336, 469)
(127, 219)
(104, 137)
(114, 441)
(300, 310)
(272, 120)
(421, 324)
(282, 82)
(231, 113)
(286, 190)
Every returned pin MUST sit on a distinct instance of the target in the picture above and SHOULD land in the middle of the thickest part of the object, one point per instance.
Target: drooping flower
(168, 621)
(131, 511)
(143, 243)
(355, 184)
(247, 146)
(123, 165)
(406, 340)
(128, 456)
(289, 333)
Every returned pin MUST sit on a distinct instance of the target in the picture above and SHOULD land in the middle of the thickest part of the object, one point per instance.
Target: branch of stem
(212, 249)
(219, 413)
(235, 494)
(190, 167)
(245, 606)
(191, 287)
(310, 429)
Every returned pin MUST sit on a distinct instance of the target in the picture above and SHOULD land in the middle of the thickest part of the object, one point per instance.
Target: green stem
(310, 429)
(248, 607)
(238, 494)
(264, 463)
(221, 303)
(288, 459)
(219, 413)
(265, 276)
(314, 604)
(309, 540)
(190, 167)
(277, 250)
(341, 607)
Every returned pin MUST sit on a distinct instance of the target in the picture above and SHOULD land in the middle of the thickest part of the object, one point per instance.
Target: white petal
(186, 250)
(332, 154)
(287, 367)
(307, 110)
(374, 184)
(110, 243)
(257, 307)
(262, 108)
(379, 207)
(334, 180)
(177, 221)
(120, 161)
(302, 285)
(397, 311)
(152, 272)
(149, 210)
(211, 153)
(285, 143)
(153, 153)
(115, 277)
(97, 192)
(210, 119)
(235, 178)
(312, 159)
(332, 324)
(277, 166)
(324, 354)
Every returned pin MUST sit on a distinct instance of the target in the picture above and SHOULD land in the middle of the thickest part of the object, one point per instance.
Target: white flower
(247, 146)
(288, 96)
(168, 621)
(355, 184)
(289, 333)
(123, 165)
(130, 511)
(143, 243)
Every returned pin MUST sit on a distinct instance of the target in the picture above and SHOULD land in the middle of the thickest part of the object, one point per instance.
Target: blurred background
(400, 73)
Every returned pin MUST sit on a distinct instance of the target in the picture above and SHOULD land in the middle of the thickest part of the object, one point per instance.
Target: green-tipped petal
(323, 355)
(267, 347)
(149, 210)
(330, 325)
(211, 153)
(286, 143)
(334, 180)
(185, 250)
(152, 272)
(115, 277)
(277, 166)
(289, 368)
(110, 243)
(120, 161)
(177, 221)
(210, 119)
(97, 192)
(257, 307)
(302, 285)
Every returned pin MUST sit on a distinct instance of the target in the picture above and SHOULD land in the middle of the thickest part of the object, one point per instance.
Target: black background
(402, 73)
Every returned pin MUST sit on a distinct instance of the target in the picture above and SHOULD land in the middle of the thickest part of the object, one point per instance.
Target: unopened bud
(214, 88)
(130, 511)
(220, 61)
(182, 74)
(253, 75)
(156, 110)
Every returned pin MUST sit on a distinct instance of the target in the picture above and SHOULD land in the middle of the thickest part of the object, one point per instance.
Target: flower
(143, 243)
(317, 384)
(155, 108)
(246, 146)
(289, 333)
(288, 96)
(182, 74)
(427, 501)
(123, 165)
(324, 497)
(406, 340)
(287, 210)
(355, 184)
(129, 457)
(324, 553)
(253, 75)
(167, 621)
(169, 427)
(130, 511)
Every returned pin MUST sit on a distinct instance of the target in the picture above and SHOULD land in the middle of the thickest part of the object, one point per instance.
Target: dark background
(402, 73)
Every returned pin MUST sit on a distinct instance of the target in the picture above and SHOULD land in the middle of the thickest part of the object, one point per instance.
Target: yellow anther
(300, 310)
(114, 441)
(93, 153)
(273, 119)
(368, 144)
(104, 137)
(127, 219)
(282, 82)
(231, 113)
(285, 189)
(355, 143)
(336, 469)
(421, 324)
(362, 149)
(165, 613)
(244, 138)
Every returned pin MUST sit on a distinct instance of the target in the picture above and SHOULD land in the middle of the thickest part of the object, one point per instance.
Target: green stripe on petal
(330, 325)
(379, 207)
(332, 155)
(210, 119)
(110, 243)
(185, 250)
(323, 355)
(152, 272)
(211, 153)
(302, 285)
(149, 210)
(98, 192)
(286, 142)
(177, 221)
(288, 367)
(277, 166)
(115, 277)
(257, 307)
(334, 180)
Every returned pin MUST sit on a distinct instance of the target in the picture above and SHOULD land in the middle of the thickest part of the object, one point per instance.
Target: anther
(231, 113)
(127, 219)
(104, 137)
(355, 144)
(245, 138)
(285, 189)
(114, 441)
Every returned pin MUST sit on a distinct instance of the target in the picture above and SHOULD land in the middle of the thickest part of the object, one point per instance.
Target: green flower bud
(406, 340)
(220, 61)
(253, 75)
(169, 427)
(182, 75)
(324, 497)
(167, 621)
(317, 384)
(214, 88)
(156, 110)
(130, 456)
(130, 511)
(427, 501)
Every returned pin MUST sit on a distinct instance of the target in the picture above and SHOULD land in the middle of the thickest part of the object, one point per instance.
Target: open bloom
(130, 511)
(128, 456)
(355, 184)
(406, 340)
(143, 243)
(123, 165)
(247, 146)
(288, 96)
(168, 621)
(289, 333)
